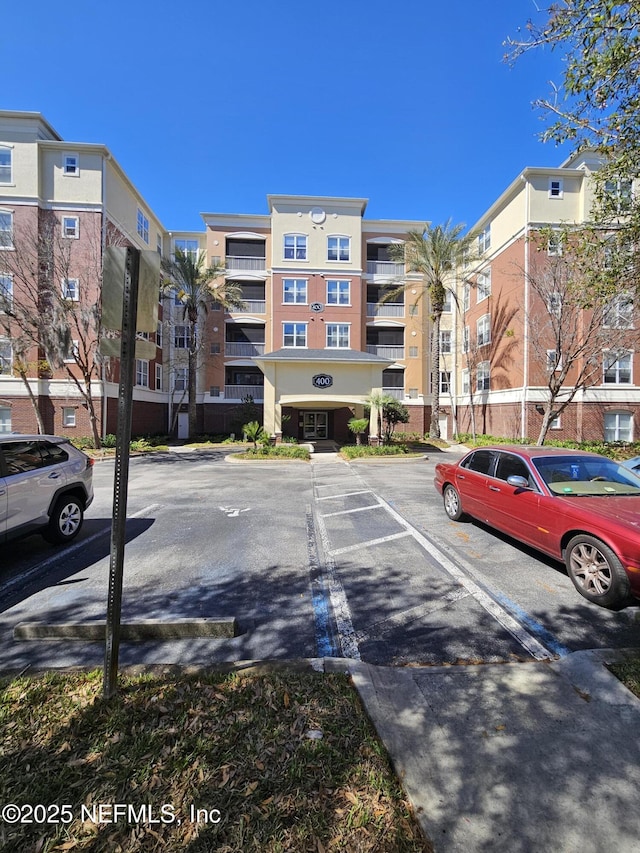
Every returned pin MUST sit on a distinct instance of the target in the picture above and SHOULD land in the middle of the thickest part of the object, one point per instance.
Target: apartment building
(313, 340)
(311, 344)
(61, 203)
(499, 362)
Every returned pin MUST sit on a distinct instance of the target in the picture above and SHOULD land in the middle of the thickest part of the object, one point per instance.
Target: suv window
(20, 456)
(481, 461)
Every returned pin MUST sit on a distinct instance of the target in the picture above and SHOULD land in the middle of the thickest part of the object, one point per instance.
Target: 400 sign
(322, 380)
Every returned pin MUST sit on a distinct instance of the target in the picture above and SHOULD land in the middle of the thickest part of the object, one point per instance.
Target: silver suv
(45, 486)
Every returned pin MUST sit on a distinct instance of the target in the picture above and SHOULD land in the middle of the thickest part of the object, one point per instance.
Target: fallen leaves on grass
(210, 762)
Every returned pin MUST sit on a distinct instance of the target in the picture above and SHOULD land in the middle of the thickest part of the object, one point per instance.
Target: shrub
(356, 451)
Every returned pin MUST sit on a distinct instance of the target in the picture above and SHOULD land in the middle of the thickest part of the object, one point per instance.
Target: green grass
(355, 451)
(628, 671)
(279, 451)
(288, 760)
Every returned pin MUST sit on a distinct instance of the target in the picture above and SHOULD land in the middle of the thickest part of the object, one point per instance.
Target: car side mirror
(518, 482)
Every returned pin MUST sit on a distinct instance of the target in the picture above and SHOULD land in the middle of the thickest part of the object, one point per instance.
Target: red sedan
(581, 508)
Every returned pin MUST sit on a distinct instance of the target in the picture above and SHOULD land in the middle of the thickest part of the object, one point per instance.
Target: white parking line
(526, 640)
(350, 511)
(24, 578)
(369, 542)
(343, 495)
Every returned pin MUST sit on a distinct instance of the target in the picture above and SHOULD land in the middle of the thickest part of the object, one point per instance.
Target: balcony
(243, 349)
(245, 262)
(239, 392)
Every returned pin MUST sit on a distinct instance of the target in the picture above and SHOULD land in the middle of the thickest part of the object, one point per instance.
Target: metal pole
(121, 478)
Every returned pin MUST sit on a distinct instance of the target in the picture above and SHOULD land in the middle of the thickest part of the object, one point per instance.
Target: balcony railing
(238, 262)
(239, 392)
(389, 269)
(251, 306)
(386, 309)
(396, 393)
(243, 349)
(386, 351)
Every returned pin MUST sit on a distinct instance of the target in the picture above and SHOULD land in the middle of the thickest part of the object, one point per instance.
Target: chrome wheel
(591, 569)
(596, 571)
(65, 521)
(452, 505)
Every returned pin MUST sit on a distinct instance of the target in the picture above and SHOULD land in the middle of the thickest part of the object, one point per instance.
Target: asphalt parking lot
(320, 559)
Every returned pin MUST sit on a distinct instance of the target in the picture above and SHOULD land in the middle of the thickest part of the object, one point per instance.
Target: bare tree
(579, 331)
(55, 309)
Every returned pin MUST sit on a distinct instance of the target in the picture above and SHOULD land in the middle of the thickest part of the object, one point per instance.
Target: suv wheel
(65, 521)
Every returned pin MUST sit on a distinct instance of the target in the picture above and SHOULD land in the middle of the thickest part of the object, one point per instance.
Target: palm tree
(436, 253)
(193, 282)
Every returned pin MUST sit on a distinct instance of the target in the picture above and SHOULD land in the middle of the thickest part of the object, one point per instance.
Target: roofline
(30, 114)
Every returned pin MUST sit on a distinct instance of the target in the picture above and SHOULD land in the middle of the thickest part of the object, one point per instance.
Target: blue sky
(209, 106)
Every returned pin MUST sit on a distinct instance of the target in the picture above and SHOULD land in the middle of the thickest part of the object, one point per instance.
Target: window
(338, 292)
(182, 337)
(6, 172)
(483, 330)
(466, 385)
(445, 341)
(294, 291)
(465, 339)
(554, 360)
(619, 193)
(6, 357)
(619, 312)
(159, 335)
(5, 420)
(6, 229)
(555, 244)
(180, 379)
(618, 426)
(71, 227)
(617, 368)
(445, 381)
(158, 377)
(338, 335)
(295, 247)
(68, 416)
(142, 372)
(6, 291)
(143, 226)
(446, 308)
(484, 285)
(555, 188)
(483, 376)
(70, 289)
(294, 334)
(466, 297)
(554, 304)
(189, 248)
(72, 356)
(159, 244)
(481, 461)
(484, 239)
(338, 248)
(512, 466)
(556, 423)
(71, 165)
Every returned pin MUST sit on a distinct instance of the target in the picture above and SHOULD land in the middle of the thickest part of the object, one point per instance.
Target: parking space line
(349, 511)
(401, 620)
(343, 495)
(369, 542)
(24, 578)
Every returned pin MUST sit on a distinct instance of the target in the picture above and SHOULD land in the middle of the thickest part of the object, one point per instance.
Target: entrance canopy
(317, 379)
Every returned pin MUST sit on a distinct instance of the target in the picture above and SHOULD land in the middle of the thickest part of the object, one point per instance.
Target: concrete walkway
(513, 758)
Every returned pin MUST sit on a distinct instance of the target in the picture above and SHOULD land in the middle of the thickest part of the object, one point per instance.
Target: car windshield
(579, 476)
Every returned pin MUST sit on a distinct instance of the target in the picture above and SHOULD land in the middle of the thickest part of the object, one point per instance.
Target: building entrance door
(315, 425)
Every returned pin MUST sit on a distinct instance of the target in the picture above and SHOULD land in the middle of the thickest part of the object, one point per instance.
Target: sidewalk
(513, 758)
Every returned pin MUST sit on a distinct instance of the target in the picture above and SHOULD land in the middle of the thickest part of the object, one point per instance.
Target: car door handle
(54, 475)
(495, 489)
(460, 476)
